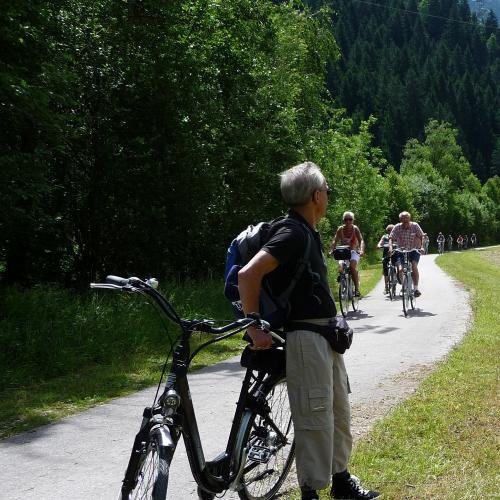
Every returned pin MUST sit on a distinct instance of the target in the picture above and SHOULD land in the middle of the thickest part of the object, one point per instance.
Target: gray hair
(299, 183)
(350, 214)
(404, 213)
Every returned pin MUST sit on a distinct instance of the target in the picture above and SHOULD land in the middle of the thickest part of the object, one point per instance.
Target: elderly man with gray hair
(317, 381)
(408, 236)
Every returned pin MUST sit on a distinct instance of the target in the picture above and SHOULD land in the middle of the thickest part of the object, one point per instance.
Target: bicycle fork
(153, 428)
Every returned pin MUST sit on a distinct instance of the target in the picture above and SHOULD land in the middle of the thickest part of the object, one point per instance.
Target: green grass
(443, 443)
(64, 353)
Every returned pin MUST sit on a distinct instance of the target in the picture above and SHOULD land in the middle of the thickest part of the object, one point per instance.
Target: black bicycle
(407, 292)
(347, 293)
(261, 446)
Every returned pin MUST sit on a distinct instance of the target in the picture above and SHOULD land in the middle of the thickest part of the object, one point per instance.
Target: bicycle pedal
(259, 454)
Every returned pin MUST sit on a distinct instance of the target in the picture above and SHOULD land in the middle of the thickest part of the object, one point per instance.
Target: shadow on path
(420, 313)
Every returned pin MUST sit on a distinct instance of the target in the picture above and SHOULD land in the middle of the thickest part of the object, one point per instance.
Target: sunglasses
(347, 219)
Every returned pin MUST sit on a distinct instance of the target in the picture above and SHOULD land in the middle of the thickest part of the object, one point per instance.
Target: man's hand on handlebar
(260, 338)
(259, 333)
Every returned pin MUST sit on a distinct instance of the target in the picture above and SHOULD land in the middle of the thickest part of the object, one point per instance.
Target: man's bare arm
(361, 242)
(335, 240)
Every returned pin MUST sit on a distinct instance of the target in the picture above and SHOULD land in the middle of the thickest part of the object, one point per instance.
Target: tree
(447, 195)
(352, 166)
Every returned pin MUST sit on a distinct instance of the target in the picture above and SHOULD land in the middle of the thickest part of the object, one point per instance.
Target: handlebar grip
(277, 337)
(116, 280)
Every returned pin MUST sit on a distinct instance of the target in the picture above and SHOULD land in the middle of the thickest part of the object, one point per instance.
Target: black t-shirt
(311, 297)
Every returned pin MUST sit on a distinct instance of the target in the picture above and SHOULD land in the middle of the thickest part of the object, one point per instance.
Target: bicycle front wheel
(392, 283)
(413, 299)
(354, 299)
(405, 294)
(269, 446)
(343, 296)
(152, 476)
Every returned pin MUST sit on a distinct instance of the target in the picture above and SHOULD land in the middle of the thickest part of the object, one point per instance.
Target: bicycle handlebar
(401, 249)
(136, 285)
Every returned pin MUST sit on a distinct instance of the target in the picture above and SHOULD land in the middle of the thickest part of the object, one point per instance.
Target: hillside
(406, 62)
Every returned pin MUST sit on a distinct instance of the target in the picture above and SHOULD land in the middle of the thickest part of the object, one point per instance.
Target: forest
(138, 137)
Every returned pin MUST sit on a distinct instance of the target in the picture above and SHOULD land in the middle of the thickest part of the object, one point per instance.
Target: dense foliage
(140, 136)
(409, 61)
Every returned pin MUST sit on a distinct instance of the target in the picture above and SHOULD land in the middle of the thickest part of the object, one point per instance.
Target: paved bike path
(84, 456)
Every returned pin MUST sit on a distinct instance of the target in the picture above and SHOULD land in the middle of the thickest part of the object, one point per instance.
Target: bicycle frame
(223, 472)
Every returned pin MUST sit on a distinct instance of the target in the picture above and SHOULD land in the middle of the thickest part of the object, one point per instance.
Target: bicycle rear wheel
(152, 476)
(269, 456)
(343, 296)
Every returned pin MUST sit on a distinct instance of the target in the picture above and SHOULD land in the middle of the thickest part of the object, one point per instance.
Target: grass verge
(442, 443)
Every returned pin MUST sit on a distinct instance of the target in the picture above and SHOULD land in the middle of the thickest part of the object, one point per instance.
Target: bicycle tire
(262, 481)
(392, 283)
(413, 299)
(354, 299)
(343, 296)
(405, 294)
(154, 468)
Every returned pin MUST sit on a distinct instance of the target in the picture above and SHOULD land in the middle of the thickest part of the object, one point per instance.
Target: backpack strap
(303, 263)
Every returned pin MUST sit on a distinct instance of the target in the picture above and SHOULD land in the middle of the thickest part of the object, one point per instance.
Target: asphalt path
(84, 456)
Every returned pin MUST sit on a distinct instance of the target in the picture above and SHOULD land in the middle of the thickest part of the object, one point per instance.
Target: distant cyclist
(384, 245)
(425, 243)
(465, 242)
(460, 242)
(473, 240)
(450, 242)
(350, 235)
(440, 241)
(408, 236)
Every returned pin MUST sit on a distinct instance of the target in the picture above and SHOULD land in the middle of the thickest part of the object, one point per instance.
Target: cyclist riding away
(440, 242)
(408, 236)
(316, 377)
(384, 245)
(450, 242)
(350, 235)
(473, 240)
